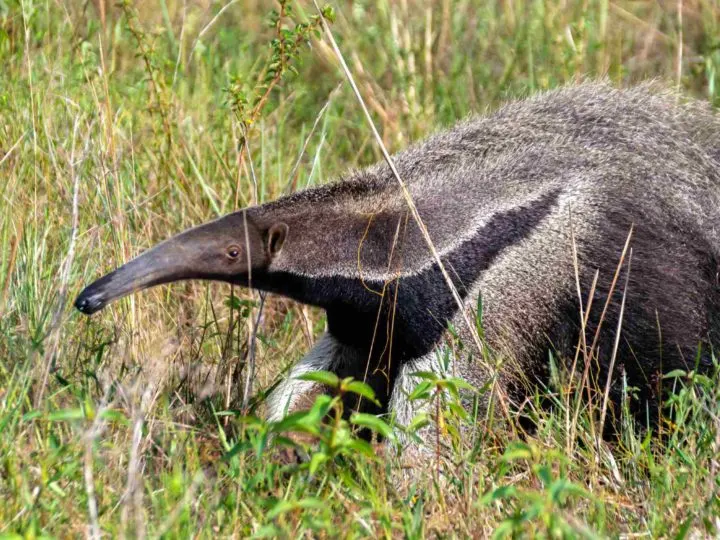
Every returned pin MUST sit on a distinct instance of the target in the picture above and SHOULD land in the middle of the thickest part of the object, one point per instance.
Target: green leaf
(419, 421)
(570, 488)
(427, 375)
(479, 314)
(703, 380)
(11, 536)
(297, 421)
(236, 303)
(327, 378)
(421, 391)
(461, 384)
(328, 13)
(55, 488)
(267, 531)
(372, 422)
(498, 494)
(675, 374)
(31, 415)
(504, 530)
(361, 389)
(321, 407)
(544, 473)
(342, 436)
(516, 451)
(66, 414)
(114, 415)
(690, 462)
(242, 446)
(361, 447)
(247, 421)
(684, 528)
(317, 459)
(286, 506)
(458, 410)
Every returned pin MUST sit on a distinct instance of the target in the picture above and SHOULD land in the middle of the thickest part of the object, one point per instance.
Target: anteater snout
(89, 302)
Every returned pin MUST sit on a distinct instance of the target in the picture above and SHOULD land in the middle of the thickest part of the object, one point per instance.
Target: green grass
(117, 131)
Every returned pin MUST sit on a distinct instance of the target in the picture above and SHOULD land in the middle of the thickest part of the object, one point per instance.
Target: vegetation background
(123, 123)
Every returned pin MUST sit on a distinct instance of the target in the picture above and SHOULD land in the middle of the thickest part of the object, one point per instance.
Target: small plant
(247, 100)
(333, 436)
(539, 511)
(154, 67)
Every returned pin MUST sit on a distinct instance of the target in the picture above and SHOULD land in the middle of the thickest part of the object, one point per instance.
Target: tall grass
(121, 124)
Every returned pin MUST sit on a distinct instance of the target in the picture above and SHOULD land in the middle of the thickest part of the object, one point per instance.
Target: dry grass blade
(293, 176)
(10, 150)
(589, 355)
(596, 337)
(679, 56)
(90, 436)
(93, 528)
(250, 367)
(606, 395)
(54, 331)
(582, 345)
(209, 25)
(586, 358)
(253, 177)
(9, 270)
(252, 348)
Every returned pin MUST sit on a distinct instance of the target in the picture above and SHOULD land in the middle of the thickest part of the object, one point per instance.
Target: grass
(122, 124)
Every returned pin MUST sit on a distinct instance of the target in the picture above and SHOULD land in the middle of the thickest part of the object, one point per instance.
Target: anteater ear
(276, 238)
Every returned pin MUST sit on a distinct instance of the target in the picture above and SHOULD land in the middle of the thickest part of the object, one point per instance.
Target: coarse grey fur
(502, 197)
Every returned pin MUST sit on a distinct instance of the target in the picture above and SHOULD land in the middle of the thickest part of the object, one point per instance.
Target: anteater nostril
(85, 304)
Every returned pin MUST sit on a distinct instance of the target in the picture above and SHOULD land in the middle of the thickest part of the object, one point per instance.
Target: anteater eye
(233, 252)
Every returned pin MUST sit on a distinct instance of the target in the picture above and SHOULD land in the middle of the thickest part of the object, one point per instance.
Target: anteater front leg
(328, 354)
(293, 394)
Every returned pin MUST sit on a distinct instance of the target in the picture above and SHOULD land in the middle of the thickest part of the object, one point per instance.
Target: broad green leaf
(458, 410)
(461, 384)
(498, 494)
(427, 375)
(516, 451)
(361, 446)
(286, 506)
(372, 422)
(421, 391)
(419, 421)
(114, 415)
(317, 459)
(323, 377)
(242, 446)
(66, 414)
(323, 404)
(675, 374)
(544, 473)
(361, 389)
(294, 421)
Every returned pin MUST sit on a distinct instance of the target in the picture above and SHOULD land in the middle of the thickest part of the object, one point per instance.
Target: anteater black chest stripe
(421, 306)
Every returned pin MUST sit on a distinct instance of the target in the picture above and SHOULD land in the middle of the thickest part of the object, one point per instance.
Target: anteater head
(228, 249)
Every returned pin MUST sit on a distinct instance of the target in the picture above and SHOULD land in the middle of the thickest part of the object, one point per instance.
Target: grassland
(120, 124)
